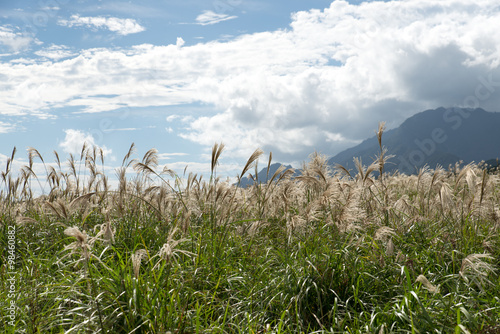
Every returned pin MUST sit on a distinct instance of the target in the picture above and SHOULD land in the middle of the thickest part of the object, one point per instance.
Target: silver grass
(131, 151)
(82, 245)
(295, 224)
(254, 227)
(216, 152)
(33, 153)
(168, 252)
(269, 164)
(384, 233)
(21, 221)
(106, 233)
(446, 197)
(475, 268)
(484, 181)
(428, 285)
(379, 132)
(137, 258)
(343, 170)
(255, 155)
(470, 178)
(389, 249)
(150, 159)
(84, 149)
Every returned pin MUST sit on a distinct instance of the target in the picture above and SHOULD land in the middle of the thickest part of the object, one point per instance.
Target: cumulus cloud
(324, 83)
(75, 139)
(120, 26)
(208, 17)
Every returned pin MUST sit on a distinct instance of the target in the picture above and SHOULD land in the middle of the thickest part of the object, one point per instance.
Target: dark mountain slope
(441, 136)
(432, 137)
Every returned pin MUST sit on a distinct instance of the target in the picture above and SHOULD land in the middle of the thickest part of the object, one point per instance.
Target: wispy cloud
(55, 52)
(171, 118)
(121, 129)
(6, 127)
(114, 24)
(165, 156)
(210, 17)
(47, 8)
(15, 41)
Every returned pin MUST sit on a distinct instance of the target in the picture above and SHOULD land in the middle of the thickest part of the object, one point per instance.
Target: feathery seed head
(389, 249)
(476, 269)
(384, 232)
(470, 178)
(82, 243)
(475, 263)
(216, 152)
(254, 227)
(446, 197)
(428, 285)
(76, 233)
(380, 131)
(168, 251)
(255, 155)
(137, 258)
(107, 232)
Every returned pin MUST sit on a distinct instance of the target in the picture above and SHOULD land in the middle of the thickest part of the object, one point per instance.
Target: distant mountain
(432, 137)
(441, 136)
(263, 176)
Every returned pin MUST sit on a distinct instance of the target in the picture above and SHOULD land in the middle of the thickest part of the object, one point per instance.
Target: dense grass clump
(330, 251)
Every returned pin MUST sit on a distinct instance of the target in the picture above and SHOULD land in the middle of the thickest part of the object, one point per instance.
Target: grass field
(331, 251)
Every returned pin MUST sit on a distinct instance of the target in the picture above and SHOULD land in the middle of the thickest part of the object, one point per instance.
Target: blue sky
(289, 77)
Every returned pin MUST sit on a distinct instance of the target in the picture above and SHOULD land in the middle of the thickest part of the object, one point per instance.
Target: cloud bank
(323, 83)
(114, 24)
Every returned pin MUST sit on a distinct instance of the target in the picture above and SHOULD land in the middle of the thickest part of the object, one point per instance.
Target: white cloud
(120, 26)
(171, 118)
(50, 8)
(15, 41)
(75, 139)
(208, 17)
(179, 42)
(121, 129)
(55, 52)
(284, 90)
(165, 156)
(6, 127)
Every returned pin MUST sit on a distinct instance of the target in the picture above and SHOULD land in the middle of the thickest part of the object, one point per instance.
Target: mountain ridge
(442, 136)
(433, 137)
